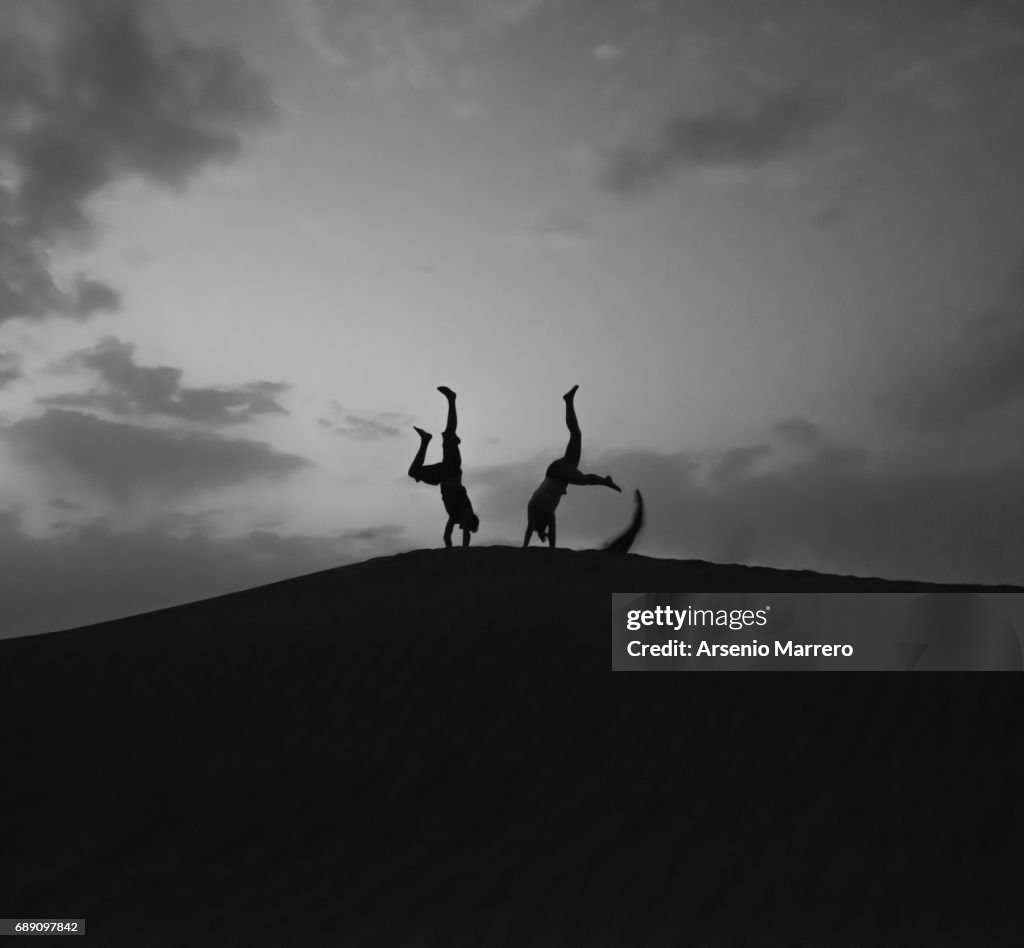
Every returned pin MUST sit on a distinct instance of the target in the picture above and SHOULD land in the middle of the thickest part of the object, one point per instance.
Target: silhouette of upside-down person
(447, 475)
(540, 511)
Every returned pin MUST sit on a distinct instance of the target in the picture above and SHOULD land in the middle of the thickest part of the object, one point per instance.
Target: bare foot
(445, 391)
(425, 435)
(612, 484)
(571, 393)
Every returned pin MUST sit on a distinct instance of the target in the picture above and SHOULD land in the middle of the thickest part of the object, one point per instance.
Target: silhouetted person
(447, 474)
(540, 511)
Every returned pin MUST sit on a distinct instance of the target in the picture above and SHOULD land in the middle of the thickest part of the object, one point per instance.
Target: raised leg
(590, 480)
(451, 456)
(427, 473)
(453, 417)
(574, 448)
(416, 468)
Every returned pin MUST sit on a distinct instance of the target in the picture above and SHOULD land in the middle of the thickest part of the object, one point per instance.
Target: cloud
(407, 43)
(562, 232)
(364, 427)
(128, 388)
(606, 53)
(969, 58)
(123, 461)
(388, 533)
(92, 296)
(10, 368)
(497, 14)
(978, 377)
(776, 127)
(737, 462)
(799, 430)
(29, 289)
(983, 376)
(90, 97)
(361, 428)
(94, 573)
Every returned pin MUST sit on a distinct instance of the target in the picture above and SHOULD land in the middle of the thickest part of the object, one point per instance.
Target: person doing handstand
(540, 511)
(447, 475)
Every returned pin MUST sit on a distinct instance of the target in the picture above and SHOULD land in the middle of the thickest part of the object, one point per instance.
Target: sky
(777, 243)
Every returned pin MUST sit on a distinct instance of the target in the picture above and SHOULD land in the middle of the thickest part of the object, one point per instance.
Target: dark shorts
(435, 474)
(561, 470)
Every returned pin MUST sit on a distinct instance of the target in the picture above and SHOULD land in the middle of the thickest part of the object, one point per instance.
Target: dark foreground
(431, 750)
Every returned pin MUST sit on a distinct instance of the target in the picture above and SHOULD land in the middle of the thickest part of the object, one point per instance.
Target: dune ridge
(431, 749)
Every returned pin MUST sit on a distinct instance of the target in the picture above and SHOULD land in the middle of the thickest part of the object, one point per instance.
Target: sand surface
(430, 749)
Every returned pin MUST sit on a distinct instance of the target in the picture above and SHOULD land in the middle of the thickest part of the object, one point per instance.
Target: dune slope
(431, 749)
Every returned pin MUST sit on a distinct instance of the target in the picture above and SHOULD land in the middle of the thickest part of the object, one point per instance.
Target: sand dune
(431, 749)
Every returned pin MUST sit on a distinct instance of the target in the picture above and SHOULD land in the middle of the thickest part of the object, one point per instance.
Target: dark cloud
(10, 368)
(799, 430)
(970, 62)
(128, 388)
(99, 100)
(93, 573)
(774, 128)
(93, 296)
(978, 377)
(123, 460)
(832, 510)
(736, 462)
(386, 533)
(984, 375)
(27, 286)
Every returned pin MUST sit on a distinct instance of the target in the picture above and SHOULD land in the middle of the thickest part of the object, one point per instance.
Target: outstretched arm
(449, 527)
(466, 534)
